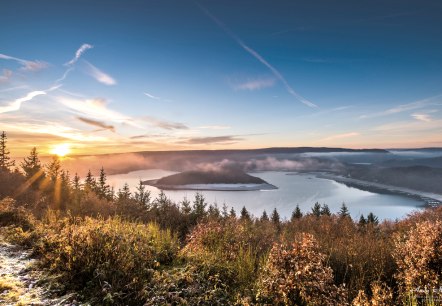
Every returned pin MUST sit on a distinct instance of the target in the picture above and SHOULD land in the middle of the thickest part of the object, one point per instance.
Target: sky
(137, 75)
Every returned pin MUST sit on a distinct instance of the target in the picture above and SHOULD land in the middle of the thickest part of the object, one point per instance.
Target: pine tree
(343, 212)
(5, 160)
(76, 184)
(297, 214)
(325, 210)
(362, 221)
(232, 213)
(103, 189)
(124, 193)
(65, 189)
(225, 212)
(245, 215)
(264, 217)
(185, 206)
(199, 206)
(316, 210)
(53, 169)
(31, 164)
(142, 196)
(90, 183)
(372, 219)
(276, 219)
(213, 211)
(76, 189)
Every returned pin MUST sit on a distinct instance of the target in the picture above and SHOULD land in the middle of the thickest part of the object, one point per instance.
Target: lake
(302, 189)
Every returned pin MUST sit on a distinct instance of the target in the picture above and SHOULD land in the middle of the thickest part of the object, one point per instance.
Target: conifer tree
(124, 193)
(213, 211)
(343, 212)
(245, 215)
(225, 212)
(5, 160)
(232, 213)
(185, 206)
(316, 210)
(31, 164)
(296, 214)
(90, 182)
(54, 169)
(199, 206)
(362, 221)
(264, 216)
(142, 196)
(372, 219)
(276, 219)
(103, 189)
(325, 210)
(65, 188)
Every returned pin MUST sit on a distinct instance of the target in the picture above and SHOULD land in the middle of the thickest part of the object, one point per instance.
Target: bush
(110, 260)
(227, 250)
(297, 275)
(419, 257)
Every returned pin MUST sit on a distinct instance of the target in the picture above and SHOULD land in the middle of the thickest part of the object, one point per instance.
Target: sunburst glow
(61, 149)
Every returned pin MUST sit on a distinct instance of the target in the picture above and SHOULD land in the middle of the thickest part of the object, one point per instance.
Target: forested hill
(210, 177)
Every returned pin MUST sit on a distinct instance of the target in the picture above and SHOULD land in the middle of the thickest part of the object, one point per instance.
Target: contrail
(78, 54)
(256, 55)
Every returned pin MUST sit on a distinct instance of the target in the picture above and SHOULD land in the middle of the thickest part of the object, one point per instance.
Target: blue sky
(118, 76)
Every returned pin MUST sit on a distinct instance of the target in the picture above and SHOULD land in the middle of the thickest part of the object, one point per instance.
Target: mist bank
(414, 169)
(290, 159)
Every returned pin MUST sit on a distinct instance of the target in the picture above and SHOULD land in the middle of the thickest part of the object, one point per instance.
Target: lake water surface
(293, 189)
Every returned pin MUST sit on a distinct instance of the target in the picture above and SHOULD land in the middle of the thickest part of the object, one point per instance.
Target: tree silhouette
(325, 210)
(372, 219)
(296, 214)
(264, 216)
(103, 189)
(276, 219)
(5, 160)
(245, 215)
(316, 210)
(343, 212)
(141, 195)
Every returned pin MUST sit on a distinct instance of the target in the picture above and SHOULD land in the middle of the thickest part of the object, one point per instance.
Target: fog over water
(293, 189)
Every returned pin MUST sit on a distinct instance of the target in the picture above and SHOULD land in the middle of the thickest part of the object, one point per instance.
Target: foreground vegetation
(123, 248)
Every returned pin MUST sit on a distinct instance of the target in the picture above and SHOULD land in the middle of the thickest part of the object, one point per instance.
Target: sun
(61, 149)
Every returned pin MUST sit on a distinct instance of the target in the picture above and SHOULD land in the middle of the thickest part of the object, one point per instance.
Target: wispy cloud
(228, 139)
(26, 65)
(431, 101)
(16, 104)
(215, 127)
(7, 74)
(95, 108)
(54, 129)
(64, 76)
(99, 75)
(341, 136)
(422, 117)
(166, 125)
(151, 96)
(13, 88)
(78, 54)
(257, 56)
(254, 84)
(99, 124)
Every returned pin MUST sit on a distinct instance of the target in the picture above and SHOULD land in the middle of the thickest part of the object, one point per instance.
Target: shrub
(227, 250)
(419, 258)
(297, 275)
(108, 259)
